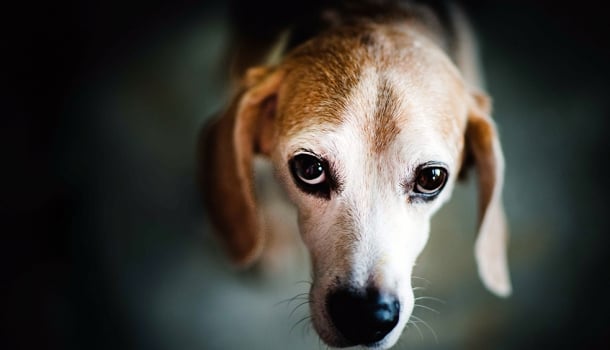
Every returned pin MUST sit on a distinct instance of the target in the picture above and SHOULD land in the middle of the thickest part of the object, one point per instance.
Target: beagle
(368, 123)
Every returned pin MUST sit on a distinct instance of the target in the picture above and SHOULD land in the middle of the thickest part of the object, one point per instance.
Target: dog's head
(368, 134)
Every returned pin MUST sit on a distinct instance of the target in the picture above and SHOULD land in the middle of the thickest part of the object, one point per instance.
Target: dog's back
(262, 33)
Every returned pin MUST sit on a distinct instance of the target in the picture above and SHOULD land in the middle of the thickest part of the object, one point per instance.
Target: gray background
(111, 248)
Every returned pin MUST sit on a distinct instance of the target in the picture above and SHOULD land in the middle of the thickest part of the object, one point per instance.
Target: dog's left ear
(225, 163)
(483, 146)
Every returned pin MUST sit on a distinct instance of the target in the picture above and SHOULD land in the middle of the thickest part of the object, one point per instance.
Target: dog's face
(367, 171)
(367, 135)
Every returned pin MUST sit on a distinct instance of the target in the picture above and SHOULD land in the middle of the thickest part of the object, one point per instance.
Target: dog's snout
(363, 317)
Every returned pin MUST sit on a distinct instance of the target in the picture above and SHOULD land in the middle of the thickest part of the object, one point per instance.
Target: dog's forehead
(412, 109)
(384, 84)
(408, 88)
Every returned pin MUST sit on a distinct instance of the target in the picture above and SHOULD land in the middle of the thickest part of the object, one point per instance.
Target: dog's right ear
(482, 141)
(226, 148)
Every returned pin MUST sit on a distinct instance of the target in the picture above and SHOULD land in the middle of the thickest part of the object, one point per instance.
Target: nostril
(363, 317)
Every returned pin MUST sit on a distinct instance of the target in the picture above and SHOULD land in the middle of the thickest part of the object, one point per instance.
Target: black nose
(363, 317)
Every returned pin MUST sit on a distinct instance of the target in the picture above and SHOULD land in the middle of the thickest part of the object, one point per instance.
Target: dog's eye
(310, 174)
(308, 169)
(430, 180)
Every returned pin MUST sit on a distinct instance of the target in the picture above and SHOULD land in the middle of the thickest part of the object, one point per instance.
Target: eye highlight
(310, 173)
(308, 169)
(430, 180)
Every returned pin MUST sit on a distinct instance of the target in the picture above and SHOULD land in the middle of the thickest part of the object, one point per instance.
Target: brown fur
(226, 151)
(385, 128)
(310, 89)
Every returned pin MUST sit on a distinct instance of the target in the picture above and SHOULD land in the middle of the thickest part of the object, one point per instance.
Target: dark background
(102, 104)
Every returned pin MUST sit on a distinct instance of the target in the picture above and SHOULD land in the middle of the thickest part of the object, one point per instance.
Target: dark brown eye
(309, 169)
(310, 174)
(430, 180)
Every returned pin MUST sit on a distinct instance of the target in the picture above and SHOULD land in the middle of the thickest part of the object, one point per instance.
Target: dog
(368, 122)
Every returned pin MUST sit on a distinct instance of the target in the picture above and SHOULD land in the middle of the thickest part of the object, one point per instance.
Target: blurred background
(106, 245)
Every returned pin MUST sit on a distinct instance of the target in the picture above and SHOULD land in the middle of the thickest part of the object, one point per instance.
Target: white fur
(386, 231)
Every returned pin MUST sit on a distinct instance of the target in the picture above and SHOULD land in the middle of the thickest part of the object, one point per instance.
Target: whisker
(288, 302)
(297, 307)
(421, 335)
(300, 296)
(427, 308)
(421, 278)
(430, 298)
(309, 283)
(299, 322)
(426, 283)
(308, 329)
(419, 320)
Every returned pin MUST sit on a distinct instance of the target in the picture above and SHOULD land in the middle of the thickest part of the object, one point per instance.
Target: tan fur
(227, 147)
(385, 128)
(387, 87)
(492, 239)
(325, 69)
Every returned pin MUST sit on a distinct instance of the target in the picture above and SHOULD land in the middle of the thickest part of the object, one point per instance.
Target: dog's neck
(433, 18)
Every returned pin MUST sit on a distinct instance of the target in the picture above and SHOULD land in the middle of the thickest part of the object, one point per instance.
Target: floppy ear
(225, 154)
(484, 146)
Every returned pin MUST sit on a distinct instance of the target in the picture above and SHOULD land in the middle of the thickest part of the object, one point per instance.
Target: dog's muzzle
(363, 317)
